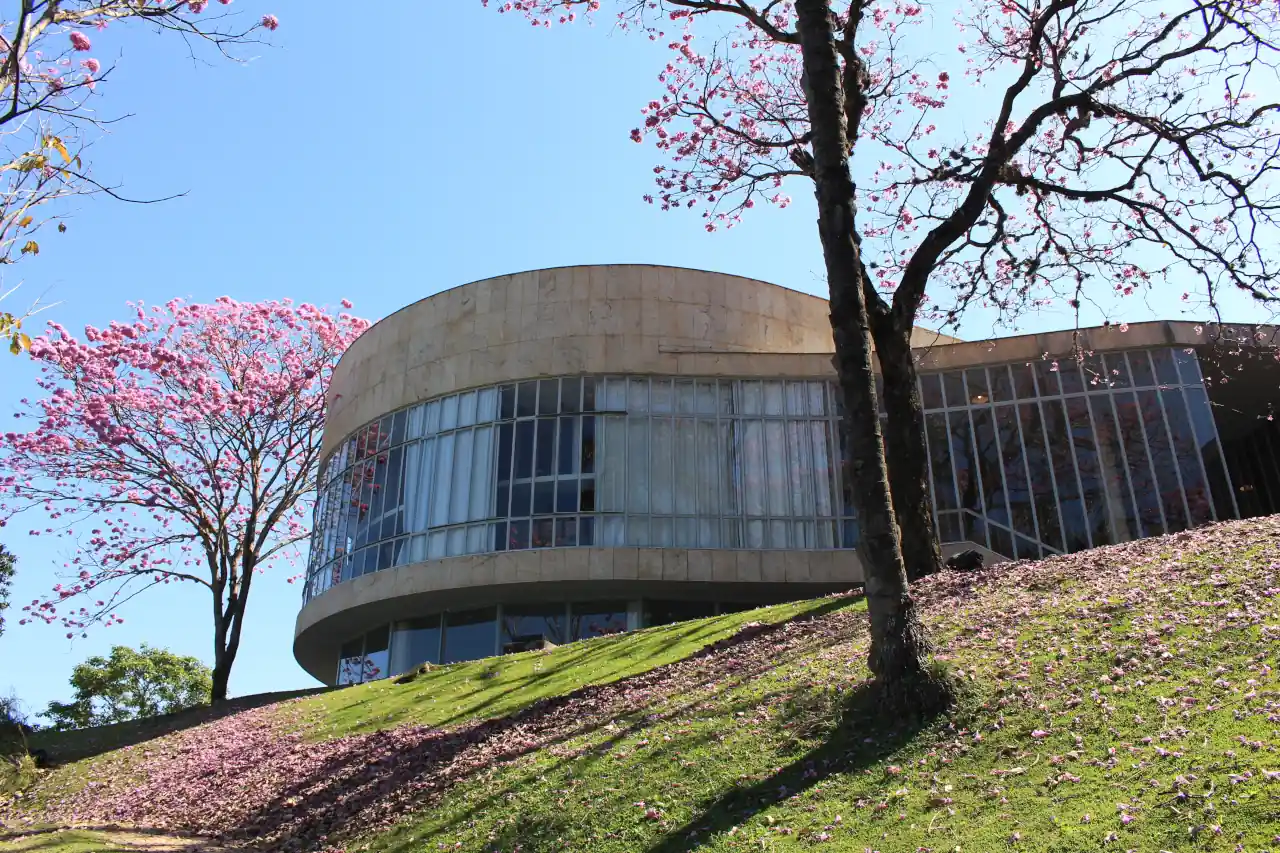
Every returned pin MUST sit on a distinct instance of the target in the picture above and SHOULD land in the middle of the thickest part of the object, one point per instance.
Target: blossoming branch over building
(560, 454)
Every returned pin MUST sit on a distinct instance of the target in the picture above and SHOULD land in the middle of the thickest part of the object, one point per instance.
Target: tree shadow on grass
(863, 738)
(381, 776)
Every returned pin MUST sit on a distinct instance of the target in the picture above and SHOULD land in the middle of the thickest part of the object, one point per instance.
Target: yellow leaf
(14, 346)
(61, 149)
(32, 247)
(30, 164)
(25, 340)
(62, 228)
(25, 221)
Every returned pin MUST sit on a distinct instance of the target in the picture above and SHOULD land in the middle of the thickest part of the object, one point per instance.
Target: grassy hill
(1121, 699)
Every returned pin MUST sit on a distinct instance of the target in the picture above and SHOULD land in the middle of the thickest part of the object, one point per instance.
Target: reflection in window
(415, 642)
(531, 626)
(597, 619)
(469, 634)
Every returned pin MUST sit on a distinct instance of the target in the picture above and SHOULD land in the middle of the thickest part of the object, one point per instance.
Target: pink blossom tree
(1125, 145)
(51, 67)
(180, 447)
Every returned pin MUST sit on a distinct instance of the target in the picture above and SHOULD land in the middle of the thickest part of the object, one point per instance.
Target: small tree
(130, 685)
(185, 444)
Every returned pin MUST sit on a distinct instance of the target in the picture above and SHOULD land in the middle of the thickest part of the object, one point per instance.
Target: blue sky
(367, 156)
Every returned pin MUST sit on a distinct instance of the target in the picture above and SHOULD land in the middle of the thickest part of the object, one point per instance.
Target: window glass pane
(1046, 372)
(481, 474)
(660, 396)
(686, 467)
(612, 531)
(1069, 374)
(1140, 369)
(441, 484)
(751, 398)
(523, 465)
(1040, 466)
(414, 643)
(1145, 488)
(518, 534)
(778, 489)
(460, 491)
(817, 398)
(476, 541)
(637, 469)
(662, 467)
(931, 390)
(486, 405)
(449, 412)
(586, 530)
(706, 396)
(467, 408)
(797, 398)
(1015, 474)
(1207, 437)
(989, 467)
(1111, 466)
(710, 468)
(567, 454)
(660, 532)
(566, 532)
(597, 619)
(949, 527)
(1166, 368)
(616, 395)
(587, 494)
(953, 385)
(944, 491)
(545, 454)
(507, 406)
(638, 396)
(543, 533)
(1162, 459)
(773, 397)
(1188, 366)
(1001, 384)
(548, 396)
(686, 532)
(588, 444)
(456, 542)
(469, 634)
(801, 468)
(1116, 370)
(375, 653)
(526, 399)
(398, 423)
(638, 531)
(1185, 450)
(567, 496)
(755, 481)
(824, 471)
(978, 390)
(544, 497)
(571, 394)
(530, 626)
(612, 465)
(351, 662)
(1024, 381)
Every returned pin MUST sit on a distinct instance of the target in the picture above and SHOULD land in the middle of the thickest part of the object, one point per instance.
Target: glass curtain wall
(580, 461)
(1026, 459)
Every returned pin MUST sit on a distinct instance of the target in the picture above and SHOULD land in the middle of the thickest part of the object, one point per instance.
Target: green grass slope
(1121, 699)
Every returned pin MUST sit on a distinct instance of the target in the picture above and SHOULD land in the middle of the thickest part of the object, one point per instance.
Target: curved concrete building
(558, 454)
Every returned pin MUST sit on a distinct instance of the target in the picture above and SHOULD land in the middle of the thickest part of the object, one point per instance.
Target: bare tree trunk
(900, 649)
(908, 458)
(222, 661)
